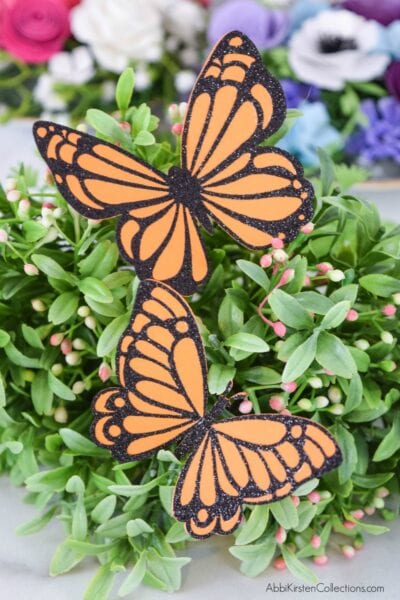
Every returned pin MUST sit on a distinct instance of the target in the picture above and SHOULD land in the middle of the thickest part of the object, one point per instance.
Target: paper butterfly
(253, 459)
(254, 193)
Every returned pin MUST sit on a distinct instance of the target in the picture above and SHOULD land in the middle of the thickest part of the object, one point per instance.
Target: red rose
(34, 30)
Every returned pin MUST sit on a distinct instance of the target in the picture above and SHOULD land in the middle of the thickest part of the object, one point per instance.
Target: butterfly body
(254, 193)
(162, 399)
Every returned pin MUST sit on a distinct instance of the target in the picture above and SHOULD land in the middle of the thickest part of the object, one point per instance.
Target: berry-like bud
(31, 270)
(177, 129)
(320, 560)
(362, 344)
(358, 542)
(280, 535)
(279, 563)
(357, 514)
(334, 394)
(378, 502)
(23, 207)
(352, 315)
(315, 382)
(66, 346)
(295, 500)
(90, 323)
(305, 404)
(348, 551)
(78, 387)
(307, 281)
(266, 260)
(389, 310)
(245, 407)
(321, 401)
(336, 409)
(78, 344)
(315, 541)
(279, 329)
(38, 305)
(349, 524)
(387, 365)
(396, 298)
(56, 339)
(336, 275)
(10, 184)
(382, 492)
(3, 236)
(83, 311)
(370, 510)
(57, 369)
(73, 359)
(277, 243)
(314, 497)
(277, 403)
(104, 372)
(58, 212)
(287, 276)
(290, 386)
(324, 268)
(307, 228)
(60, 415)
(387, 337)
(173, 113)
(13, 195)
(279, 256)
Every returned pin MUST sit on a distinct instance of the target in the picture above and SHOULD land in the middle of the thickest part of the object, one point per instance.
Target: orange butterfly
(254, 193)
(162, 370)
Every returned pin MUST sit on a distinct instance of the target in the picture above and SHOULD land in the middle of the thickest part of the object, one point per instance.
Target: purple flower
(266, 28)
(392, 79)
(380, 138)
(384, 11)
(296, 92)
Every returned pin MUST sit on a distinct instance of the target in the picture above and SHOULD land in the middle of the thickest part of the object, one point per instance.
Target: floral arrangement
(329, 328)
(339, 62)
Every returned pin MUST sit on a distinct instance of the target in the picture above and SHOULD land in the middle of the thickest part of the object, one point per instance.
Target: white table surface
(213, 573)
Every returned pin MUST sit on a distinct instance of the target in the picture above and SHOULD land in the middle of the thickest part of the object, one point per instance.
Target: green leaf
(380, 284)
(31, 336)
(347, 292)
(254, 527)
(297, 568)
(12, 446)
(218, 377)
(100, 585)
(354, 396)
(63, 308)
(333, 355)
(144, 138)
(51, 268)
(104, 509)
(336, 315)
(328, 174)
(390, 443)
(124, 89)
(261, 375)
(255, 558)
(96, 290)
(37, 523)
(42, 395)
(134, 578)
(348, 447)
(177, 533)
(65, 559)
(59, 388)
(289, 310)
(34, 231)
(100, 262)
(372, 529)
(79, 520)
(136, 527)
(301, 359)
(81, 445)
(4, 338)
(306, 488)
(106, 125)
(54, 480)
(285, 513)
(230, 317)
(255, 272)
(247, 342)
(110, 336)
(306, 512)
(361, 359)
(314, 302)
(19, 359)
(2, 393)
(136, 490)
(371, 482)
(167, 570)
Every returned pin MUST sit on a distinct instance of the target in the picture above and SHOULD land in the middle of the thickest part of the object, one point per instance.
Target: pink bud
(295, 500)
(328, 372)
(324, 267)
(307, 281)
(290, 386)
(56, 339)
(125, 126)
(279, 563)
(389, 310)
(24, 206)
(104, 372)
(286, 412)
(314, 497)
(266, 260)
(382, 492)
(370, 510)
(3, 236)
(280, 535)
(49, 205)
(352, 315)
(277, 403)
(315, 541)
(31, 270)
(279, 329)
(177, 128)
(349, 524)
(287, 276)
(66, 346)
(320, 560)
(348, 551)
(308, 228)
(357, 514)
(245, 407)
(277, 243)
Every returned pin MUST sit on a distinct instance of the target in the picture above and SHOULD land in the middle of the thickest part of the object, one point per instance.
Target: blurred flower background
(339, 62)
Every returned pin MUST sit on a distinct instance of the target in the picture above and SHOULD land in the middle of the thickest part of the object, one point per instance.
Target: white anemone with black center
(334, 47)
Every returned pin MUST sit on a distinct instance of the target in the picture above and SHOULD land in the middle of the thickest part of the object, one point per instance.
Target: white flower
(336, 46)
(45, 95)
(119, 31)
(184, 19)
(184, 81)
(74, 67)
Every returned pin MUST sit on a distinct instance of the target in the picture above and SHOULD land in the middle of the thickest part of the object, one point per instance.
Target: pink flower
(279, 563)
(315, 541)
(389, 310)
(290, 386)
(33, 31)
(320, 560)
(104, 372)
(245, 407)
(266, 260)
(352, 315)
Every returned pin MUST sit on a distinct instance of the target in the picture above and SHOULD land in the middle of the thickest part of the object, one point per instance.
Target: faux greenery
(65, 299)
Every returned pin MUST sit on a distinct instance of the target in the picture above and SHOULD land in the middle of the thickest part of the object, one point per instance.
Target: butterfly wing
(253, 459)
(99, 180)
(255, 194)
(162, 373)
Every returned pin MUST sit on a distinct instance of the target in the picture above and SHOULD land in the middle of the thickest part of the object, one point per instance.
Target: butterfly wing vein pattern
(254, 193)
